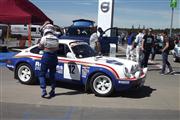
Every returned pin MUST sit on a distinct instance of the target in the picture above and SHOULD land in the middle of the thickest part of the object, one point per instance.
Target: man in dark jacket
(165, 53)
(147, 44)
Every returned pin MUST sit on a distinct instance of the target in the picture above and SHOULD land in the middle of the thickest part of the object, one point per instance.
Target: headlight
(134, 71)
(126, 73)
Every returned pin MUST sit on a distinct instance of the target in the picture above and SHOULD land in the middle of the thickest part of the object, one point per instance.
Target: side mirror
(70, 55)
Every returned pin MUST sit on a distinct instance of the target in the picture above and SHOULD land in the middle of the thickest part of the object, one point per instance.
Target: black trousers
(144, 62)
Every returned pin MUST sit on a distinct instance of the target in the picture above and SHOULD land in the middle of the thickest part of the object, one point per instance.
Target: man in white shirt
(138, 42)
(94, 40)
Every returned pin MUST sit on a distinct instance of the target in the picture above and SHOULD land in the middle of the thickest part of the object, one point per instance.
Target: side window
(35, 50)
(63, 50)
(33, 29)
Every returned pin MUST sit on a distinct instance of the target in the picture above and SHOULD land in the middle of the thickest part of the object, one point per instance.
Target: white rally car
(78, 63)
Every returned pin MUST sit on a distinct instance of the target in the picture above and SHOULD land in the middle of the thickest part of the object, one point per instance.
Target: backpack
(171, 44)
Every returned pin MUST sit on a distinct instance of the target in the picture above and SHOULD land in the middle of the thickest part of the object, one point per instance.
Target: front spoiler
(125, 84)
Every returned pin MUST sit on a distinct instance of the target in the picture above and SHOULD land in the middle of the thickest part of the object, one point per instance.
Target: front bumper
(127, 84)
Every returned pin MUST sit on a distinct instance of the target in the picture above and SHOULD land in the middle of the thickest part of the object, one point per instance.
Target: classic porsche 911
(77, 62)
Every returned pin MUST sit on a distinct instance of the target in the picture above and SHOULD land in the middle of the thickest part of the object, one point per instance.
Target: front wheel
(101, 85)
(25, 74)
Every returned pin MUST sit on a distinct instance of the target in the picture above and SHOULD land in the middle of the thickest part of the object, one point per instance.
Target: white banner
(105, 14)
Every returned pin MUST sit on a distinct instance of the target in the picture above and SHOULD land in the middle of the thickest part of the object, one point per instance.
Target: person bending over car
(49, 44)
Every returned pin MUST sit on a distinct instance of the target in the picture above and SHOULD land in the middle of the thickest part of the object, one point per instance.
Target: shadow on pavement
(154, 69)
(74, 87)
(142, 92)
(176, 73)
(70, 93)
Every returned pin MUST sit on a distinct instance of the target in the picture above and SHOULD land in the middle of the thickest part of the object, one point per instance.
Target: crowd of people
(145, 43)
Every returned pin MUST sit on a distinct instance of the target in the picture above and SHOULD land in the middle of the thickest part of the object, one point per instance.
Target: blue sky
(151, 13)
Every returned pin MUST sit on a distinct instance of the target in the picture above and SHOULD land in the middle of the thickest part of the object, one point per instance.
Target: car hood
(117, 64)
(111, 61)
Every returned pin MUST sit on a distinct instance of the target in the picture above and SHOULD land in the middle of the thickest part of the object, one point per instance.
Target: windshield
(79, 31)
(83, 51)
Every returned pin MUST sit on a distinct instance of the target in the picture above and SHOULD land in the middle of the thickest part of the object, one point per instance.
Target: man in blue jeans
(165, 53)
(49, 43)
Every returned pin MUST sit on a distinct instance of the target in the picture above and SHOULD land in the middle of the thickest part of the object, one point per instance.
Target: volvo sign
(105, 14)
(105, 7)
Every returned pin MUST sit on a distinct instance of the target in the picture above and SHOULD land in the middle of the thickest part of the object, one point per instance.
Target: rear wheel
(25, 74)
(101, 85)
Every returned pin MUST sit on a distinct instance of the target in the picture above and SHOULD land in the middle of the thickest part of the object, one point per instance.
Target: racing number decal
(72, 71)
(71, 68)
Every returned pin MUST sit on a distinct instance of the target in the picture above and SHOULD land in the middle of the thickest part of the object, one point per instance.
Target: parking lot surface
(158, 99)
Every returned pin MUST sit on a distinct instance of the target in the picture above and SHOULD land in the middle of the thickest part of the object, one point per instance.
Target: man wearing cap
(49, 44)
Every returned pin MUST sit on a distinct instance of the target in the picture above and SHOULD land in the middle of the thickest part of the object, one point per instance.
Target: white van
(23, 30)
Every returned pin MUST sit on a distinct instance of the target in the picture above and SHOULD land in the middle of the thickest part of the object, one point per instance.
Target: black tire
(107, 85)
(25, 74)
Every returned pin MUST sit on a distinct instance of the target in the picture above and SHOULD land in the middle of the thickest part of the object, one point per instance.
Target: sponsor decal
(124, 82)
(85, 71)
(37, 65)
(59, 69)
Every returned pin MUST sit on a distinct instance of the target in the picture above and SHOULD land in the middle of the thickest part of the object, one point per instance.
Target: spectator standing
(154, 48)
(130, 39)
(123, 37)
(138, 44)
(147, 44)
(94, 40)
(165, 53)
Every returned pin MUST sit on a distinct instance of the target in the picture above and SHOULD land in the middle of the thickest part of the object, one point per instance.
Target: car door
(67, 69)
(37, 59)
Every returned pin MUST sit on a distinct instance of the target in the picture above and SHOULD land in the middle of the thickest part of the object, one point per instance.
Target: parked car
(176, 52)
(22, 30)
(78, 63)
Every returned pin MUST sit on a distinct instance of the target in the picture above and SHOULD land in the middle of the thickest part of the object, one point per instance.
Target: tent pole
(29, 34)
(7, 34)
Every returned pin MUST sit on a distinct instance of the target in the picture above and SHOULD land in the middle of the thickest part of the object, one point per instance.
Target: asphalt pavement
(159, 99)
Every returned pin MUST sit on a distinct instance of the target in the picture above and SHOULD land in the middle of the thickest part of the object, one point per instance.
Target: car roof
(62, 41)
(67, 41)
